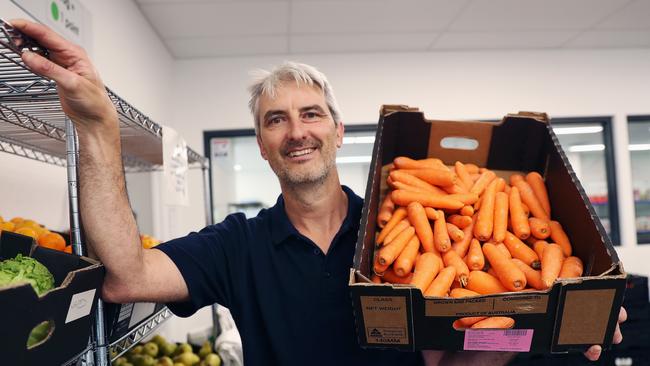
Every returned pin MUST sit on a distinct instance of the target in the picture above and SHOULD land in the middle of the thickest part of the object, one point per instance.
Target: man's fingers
(618, 336)
(45, 36)
(622, 315)
(49, 69)
(593, 353)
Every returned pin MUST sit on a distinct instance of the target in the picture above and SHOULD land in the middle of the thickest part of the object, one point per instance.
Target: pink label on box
(512, 340)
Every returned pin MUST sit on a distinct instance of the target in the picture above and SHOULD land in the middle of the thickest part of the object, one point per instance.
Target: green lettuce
(26, 269)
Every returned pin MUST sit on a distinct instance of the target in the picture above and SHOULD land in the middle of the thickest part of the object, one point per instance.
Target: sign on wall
(175, 167)
(68, 17)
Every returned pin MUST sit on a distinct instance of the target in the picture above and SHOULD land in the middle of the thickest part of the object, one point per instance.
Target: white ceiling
(222, 28)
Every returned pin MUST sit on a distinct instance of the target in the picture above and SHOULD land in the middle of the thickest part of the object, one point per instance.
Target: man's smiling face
(297, 134)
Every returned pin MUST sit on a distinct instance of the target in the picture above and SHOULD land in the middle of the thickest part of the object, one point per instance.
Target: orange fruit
(52, 241)
(7, 226)
(17, 219)
(27, 231)
(68, 249)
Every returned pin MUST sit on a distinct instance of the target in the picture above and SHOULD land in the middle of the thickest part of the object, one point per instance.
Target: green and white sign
(68, 17)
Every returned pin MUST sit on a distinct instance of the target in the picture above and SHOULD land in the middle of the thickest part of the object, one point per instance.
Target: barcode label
(515, 332)
(509, 340)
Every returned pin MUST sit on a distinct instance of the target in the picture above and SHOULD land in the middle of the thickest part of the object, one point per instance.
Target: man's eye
(274, 120)
(311, 116)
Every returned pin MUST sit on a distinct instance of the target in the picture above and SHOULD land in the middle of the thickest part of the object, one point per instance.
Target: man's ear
(261, 146)
(340, 129)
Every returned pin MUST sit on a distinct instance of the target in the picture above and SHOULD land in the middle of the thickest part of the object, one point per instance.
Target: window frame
(610, 170)
(644, 238)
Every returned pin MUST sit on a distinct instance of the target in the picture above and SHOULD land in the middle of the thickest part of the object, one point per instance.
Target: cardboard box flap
(538, 116)
(387, 109)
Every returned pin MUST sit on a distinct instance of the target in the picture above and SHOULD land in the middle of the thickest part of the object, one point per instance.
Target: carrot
(481, 184)
(510, 276)
(410, 180)
(560, 238)
(475, 259)
(525, 208)
(533, 277)
(519, 220)
(506, 189)
(475, 176)
(493, 273)
(467, 322)
(379, 269)
(571, 267)
(402, 162)
(501, 184)
(495, 322)
(437, 177)
(477, 205)
(484, 283)
(403, 198)
(539, 228)
(406, 187)
(454, 232)
(516, 178)
(401, 226)
(466, 198)
(432, 214)
(536, 182)
(538, 247)
(528, 197)
(375, 279)
(385, 211)
(441, 284)
(440, 235)
(462, 292)
(389, 252)
(455, 189)
(406, 259)
(521, 251)
(552, 259)
(452, 259)
(503, 248)
(398, 215)
(467, 210)
(418, 218)
(460, 221)
(500, 217)
(461, 247)
(463, 175)
(485, 219)
(471, 168)
(391, 277)
(426, 269)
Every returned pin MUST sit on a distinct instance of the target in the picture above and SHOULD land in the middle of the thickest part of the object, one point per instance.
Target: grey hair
(267, 82)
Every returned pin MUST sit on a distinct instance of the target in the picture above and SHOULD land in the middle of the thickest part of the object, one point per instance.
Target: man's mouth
(301, 152)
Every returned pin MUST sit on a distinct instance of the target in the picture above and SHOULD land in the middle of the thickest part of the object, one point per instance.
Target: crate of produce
(54, 298)
(558, 315)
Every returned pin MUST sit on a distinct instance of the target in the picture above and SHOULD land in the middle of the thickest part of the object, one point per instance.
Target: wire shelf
(31, 113)
(119, 347)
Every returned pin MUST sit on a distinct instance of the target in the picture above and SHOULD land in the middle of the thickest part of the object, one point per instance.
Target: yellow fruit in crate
(7, 226)
(27, 231)
(149, 242)
(1, 219)
(27, 223)
(17, 219)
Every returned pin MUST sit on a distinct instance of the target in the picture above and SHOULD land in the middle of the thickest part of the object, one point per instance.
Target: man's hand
(593, 353)
(81, 91)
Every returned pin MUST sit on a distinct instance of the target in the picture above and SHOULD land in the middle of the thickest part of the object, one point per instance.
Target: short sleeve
(206, 261)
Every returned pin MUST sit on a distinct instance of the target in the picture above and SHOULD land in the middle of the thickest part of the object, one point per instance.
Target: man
(283, 274)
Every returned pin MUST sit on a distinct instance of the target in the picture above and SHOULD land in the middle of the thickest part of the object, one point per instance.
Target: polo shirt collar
(282, 228)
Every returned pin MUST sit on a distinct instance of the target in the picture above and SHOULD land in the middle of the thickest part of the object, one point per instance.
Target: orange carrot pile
(460, 230)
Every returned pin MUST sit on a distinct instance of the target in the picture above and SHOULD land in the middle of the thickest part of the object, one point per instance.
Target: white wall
(211, 94)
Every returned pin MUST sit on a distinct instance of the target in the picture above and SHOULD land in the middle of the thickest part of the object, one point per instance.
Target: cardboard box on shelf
(121, 318)
(571, 315)
(69, 306)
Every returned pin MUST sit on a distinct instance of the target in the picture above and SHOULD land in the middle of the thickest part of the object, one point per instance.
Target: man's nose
(297, 130)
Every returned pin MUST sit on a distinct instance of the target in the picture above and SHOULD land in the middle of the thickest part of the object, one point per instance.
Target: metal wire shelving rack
(34, 126)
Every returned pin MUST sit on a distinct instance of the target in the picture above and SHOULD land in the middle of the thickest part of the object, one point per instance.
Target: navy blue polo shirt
(290, 301)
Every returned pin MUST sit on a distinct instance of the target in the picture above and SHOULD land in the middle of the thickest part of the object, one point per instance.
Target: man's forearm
(109, 225)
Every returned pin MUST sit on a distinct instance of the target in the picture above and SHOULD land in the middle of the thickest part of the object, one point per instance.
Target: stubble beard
(313, 172)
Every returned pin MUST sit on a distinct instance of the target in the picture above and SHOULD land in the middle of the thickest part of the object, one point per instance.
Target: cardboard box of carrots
(479, 236)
